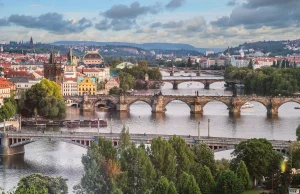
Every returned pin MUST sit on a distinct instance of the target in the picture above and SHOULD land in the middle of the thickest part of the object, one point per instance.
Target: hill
(146, 46)
(273, 48)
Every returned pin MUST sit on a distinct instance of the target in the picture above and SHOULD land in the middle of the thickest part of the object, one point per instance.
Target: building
(98, 73)
(86, 85)
(22, 84)
(113, 82)
(31, 43)
(294, 190)
(209, 53)
(52, 70)
(92, 58)
(125, 65)
(4, 92)
(69, 86)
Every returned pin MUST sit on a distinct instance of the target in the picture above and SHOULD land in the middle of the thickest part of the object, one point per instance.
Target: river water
(63, 159)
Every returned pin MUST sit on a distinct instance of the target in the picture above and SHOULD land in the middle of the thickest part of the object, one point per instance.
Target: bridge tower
(173, 71)
(6, 150)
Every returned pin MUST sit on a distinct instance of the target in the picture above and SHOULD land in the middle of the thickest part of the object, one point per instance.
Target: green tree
(162, 186)
(38, 183)
(154, 74)
(184, 156)
(228, 183)
(115, 62)
(243, 174)
(137, 171)
(204, 156)
(256, 153)
(221, 166)
(298, 133)
(124, 141)
(283, 64)
(172, 188)
(274, 64)
(278, 63)
(163, 158)
(143, 64)
(101, 168)
(204, 179)
(187, 184)
(127, 81)
(117, 191)
(52, 88)
(250, 65)
(101, 85)
(115, 91)
(8, 109)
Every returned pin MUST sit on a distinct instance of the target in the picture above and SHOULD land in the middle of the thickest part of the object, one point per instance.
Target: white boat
(247, 105)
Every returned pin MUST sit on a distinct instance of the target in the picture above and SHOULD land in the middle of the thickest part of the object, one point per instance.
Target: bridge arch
(226, 102)
(81, 143)
(168, 101)
(146, 100)
(289, 100)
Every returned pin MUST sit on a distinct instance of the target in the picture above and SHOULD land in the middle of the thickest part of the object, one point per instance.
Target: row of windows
(87, 89)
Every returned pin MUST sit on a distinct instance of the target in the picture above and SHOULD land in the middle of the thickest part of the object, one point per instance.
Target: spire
(228, 51)
(70, 57)
(52, 57)
(30, 43)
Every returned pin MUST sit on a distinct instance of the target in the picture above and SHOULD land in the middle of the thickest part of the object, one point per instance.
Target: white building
(101, 74)
(238, 61)
(69, 86)
(209, 53)
(22, 84)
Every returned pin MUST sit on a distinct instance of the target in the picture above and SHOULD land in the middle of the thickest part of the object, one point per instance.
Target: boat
(297, 107)
(247, 105)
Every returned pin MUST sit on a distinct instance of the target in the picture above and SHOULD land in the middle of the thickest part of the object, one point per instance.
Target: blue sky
(202, 23)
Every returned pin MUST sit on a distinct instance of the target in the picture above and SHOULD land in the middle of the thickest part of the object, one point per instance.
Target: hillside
(273, 48)
(146, 46)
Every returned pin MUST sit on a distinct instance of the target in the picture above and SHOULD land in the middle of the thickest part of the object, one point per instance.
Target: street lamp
(208, 127)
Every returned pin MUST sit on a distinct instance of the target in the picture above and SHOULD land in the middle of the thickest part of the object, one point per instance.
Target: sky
(201, 23)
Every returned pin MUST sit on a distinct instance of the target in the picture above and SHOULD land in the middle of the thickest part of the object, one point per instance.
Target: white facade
(239, 61)
(69, 87)
(5, 92)
(22, 86)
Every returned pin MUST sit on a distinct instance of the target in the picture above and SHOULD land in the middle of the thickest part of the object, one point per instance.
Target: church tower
(31, 43)
(53, 70)
(70, 67)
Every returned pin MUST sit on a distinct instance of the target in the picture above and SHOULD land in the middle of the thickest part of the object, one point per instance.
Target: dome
(92, 58)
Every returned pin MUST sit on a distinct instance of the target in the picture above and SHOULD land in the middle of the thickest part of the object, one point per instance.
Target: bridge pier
(196, 108)
(122, 107)
(175, 85)
(272, 110)
(6, 150)
(171, 73)
(206, 85)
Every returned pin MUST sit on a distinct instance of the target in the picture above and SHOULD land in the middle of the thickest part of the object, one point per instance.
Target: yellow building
(86, 85)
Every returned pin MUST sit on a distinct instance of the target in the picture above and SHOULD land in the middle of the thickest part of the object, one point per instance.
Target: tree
(294, 64)
(298, 133)
(204, 179)
(250, 65)
(101, 85)
(189, 63)
(204, 156)
(228, 183)
(274, 64)
(243, 174)
(221, 166)
(162, 186)
(127, 81)
(172, 188)
(143, 64)
(8, 109)
(124, 141)
(101, 168)
(256, 153)
(115, 91)
(163, 158)
(184, 156)
(287, 63)
(278, 63)
(187, 184)
(283, 64)
(38, 183)
(117, 191)
(115, 62)
(154, 74)
(52, 88)
(137, 171)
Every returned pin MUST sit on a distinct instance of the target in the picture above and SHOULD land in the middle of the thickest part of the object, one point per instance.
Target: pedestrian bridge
(14, 142)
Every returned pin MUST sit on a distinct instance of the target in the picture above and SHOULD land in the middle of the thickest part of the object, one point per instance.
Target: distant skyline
(201, 23)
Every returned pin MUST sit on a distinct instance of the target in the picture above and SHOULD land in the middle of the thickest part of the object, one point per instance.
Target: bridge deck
(139, 138)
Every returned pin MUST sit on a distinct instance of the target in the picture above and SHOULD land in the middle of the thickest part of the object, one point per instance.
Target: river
(62, 159)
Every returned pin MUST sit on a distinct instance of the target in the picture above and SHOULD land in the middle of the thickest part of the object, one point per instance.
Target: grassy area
(254, 191)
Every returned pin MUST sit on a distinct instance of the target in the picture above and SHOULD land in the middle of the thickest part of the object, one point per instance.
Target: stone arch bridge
(205, 82)
(158, 103)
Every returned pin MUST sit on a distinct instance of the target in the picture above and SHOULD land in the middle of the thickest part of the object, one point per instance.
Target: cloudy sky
(201, 23)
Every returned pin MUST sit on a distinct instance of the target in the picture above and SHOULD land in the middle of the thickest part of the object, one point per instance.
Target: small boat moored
(297, 107)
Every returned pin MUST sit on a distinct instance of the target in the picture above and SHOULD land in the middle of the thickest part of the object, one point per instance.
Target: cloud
(232, 3)
(173, 24)
(174, 4)
(254, 14)
(4, 22)
(115, 24)
(156, 25)
(130, 12)
(52, 22)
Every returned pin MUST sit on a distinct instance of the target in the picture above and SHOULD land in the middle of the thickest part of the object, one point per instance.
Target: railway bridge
(158, 102)
(13, 142)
